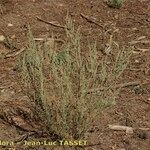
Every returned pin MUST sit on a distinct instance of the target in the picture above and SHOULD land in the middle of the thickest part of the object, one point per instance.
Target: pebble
(2, 38)
(10, 25)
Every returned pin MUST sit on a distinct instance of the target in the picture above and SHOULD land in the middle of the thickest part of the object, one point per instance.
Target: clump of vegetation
(70, 88)
(115, 3)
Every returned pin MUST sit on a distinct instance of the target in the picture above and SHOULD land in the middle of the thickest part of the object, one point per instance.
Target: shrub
(115, 3)
(70, 88)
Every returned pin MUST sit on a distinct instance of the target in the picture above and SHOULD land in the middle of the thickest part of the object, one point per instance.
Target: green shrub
(115, 3)
(69, 87)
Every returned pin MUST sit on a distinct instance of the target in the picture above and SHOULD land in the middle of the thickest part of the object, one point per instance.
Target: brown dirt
(130, 22)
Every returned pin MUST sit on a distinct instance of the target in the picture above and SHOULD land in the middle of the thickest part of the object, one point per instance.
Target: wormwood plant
(68, 87)
(115, 3)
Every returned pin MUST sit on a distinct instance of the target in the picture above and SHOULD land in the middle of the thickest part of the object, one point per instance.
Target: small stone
(136, 61)
(116, 16)
(2, 38)
(10, 25)
(12, 92)
(134, 29)
(129, 131)
(13, 37)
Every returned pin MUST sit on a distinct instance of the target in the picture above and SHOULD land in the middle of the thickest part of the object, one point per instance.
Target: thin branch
(5, 87)
(115, 86)
(91, 21)
(14, 54)
(50, 23)
(23, 137)
(128, 129)
(7, 42)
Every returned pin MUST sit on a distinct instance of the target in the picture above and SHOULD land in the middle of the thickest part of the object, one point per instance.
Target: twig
(50, 23)
(23, 137)
(14, 54)
(91, 21)
(15, 51)
(115, 86)
(43, 39)
(90, 145)
(146, 101)
(128, 129)
(7, 42)
(136, 42)
(121, 128)
(5, 87)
